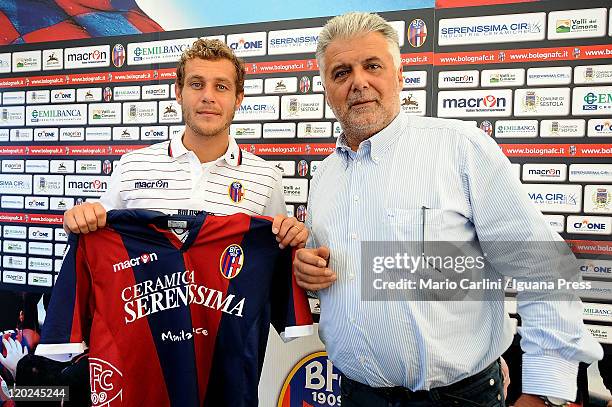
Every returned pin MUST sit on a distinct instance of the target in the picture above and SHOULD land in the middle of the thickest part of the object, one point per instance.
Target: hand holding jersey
(89, 217)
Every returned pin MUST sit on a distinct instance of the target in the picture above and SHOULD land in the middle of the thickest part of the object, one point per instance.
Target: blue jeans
(484, 389)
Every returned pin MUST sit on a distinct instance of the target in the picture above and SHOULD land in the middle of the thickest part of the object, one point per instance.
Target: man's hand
(289, 232)
(14, 353)
(85, 218)
(529, 400)
(310, 268)
(505, 371)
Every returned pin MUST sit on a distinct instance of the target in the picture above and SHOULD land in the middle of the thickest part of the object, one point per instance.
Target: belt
(404, 393)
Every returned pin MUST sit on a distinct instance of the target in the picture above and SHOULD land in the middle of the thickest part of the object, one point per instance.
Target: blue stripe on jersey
(57, 325)
(234, 346)
(177, 359)
(195, 226)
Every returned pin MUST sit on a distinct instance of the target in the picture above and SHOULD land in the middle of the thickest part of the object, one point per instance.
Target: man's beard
(361, 129)
(205, 132)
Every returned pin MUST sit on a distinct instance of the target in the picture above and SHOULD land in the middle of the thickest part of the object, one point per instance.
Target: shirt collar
(233, 155)
(376, 145)
(176, 148)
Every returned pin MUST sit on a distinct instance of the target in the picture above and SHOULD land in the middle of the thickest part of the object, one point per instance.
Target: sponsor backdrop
(536, 76)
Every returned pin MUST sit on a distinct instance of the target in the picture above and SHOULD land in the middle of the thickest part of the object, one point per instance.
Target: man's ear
(177, 92)
(400, 77)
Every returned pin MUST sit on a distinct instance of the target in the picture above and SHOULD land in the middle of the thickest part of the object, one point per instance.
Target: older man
(402, 178)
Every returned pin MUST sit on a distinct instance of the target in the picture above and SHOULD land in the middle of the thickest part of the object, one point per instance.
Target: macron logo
(136, 261)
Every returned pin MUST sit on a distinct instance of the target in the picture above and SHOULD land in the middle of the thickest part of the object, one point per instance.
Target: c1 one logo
(313, 382)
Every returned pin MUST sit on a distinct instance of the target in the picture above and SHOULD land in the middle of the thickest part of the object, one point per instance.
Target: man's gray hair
(354, 24)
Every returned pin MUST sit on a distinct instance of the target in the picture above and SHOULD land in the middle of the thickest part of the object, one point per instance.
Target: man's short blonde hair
(211, 50)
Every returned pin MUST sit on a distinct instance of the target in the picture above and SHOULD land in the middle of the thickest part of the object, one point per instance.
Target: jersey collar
(233, 155)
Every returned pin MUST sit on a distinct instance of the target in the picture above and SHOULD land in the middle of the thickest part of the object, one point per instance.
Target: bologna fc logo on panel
(417, 33)
(236, 191)
(487, 127)
(300, 213)
(118, 55)
(107, 167)
(231, 261)
(313, 382)
(304, 84)
(302, 168)
(107, 94)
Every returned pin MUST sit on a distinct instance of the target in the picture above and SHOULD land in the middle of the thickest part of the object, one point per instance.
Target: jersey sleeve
(68, 321)
(291, 315)
(111, 198)
(276, 203)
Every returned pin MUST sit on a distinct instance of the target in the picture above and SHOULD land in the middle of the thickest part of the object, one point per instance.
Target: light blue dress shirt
(377, 194)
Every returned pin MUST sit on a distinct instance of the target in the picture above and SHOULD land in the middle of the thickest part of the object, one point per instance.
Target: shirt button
(351, 276)
(354, 236)
(362, 359)
(352, 320)
(375, 158)
(356, 198)
(491, 382)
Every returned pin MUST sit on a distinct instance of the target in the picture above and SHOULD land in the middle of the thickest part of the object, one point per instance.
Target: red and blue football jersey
(171, 322)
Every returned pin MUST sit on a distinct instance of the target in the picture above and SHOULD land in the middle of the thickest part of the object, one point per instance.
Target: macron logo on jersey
(159, 184)
(136, 261)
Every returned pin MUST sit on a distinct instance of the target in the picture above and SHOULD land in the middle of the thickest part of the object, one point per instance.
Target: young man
(399, 178)
(203, 168)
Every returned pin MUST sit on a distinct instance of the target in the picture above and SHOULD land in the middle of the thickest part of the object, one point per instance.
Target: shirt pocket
(415, 224)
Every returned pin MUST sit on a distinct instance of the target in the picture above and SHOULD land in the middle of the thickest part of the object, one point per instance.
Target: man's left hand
(529, 400)
(289, 232)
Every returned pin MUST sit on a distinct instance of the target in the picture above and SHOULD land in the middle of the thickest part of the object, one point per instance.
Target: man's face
(208, 97)
(362, 85)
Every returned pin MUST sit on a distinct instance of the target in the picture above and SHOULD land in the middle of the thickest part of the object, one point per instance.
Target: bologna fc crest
(107, 94)
(107, 167)
(302, 168)
(118, 55)
(231, 261)
(304, 84)
(236, 191)
(417, 33)
(487, 127)
(313, 382)
(300, 213)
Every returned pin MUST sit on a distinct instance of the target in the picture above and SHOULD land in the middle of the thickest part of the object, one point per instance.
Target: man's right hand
(85, 218)
(310, 268)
